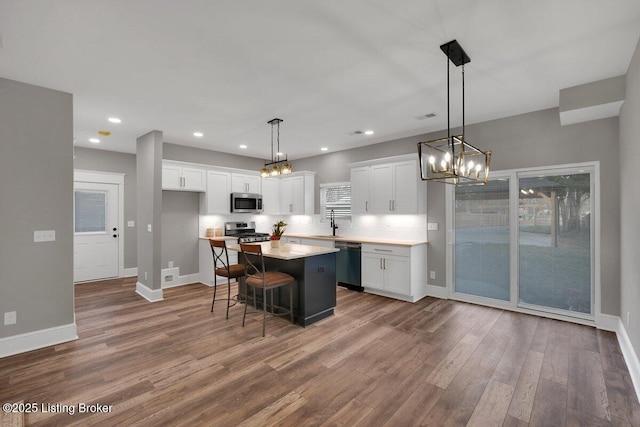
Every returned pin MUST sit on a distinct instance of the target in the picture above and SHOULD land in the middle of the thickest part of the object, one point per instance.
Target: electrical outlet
(432, 275)
(432, 226)
(10, 318)
(145, 275)
(628, 318)
(170, 263)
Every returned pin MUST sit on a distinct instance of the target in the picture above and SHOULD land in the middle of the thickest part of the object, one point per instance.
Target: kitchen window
(337, 197)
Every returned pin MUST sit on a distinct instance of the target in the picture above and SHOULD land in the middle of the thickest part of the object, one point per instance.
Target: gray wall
(110, 161)
(180, 217)
(149, 207)
(527, 140)
(208, 157)
(630, 204)
(36, 192)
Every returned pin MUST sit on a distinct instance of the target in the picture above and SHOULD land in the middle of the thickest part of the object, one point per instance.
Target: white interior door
(96, 231)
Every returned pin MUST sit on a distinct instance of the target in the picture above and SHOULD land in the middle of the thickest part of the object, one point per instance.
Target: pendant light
(276, 166)
(453, 160)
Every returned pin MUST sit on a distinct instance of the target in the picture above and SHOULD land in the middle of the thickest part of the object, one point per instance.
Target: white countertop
(288, 251)
(373, 240)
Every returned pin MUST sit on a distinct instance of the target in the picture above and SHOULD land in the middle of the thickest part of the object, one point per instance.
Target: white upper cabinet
(360, 178)
(270, 196)
(218, 200)
(405, 187)
(244, 183)
(297, 194)
(176, 176)
(387, 188)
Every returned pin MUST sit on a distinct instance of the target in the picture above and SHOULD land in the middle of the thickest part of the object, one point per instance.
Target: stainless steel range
(245, 232)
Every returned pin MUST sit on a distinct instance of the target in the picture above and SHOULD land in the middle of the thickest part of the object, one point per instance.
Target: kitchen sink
(328, 236)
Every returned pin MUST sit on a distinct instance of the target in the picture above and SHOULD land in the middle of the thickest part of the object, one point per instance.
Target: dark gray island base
(314, 295)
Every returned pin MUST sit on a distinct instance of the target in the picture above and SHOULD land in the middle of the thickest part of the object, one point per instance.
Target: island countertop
(288, 251)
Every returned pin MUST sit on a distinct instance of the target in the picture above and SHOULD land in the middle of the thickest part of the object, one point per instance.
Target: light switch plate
(44, 236)
(149, 228)
(131, 223)
(432, 226)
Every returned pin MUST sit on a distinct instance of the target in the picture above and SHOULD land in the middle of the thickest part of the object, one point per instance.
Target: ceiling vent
(356, 132)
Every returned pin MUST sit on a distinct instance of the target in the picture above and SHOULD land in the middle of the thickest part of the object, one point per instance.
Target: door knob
(115, 229)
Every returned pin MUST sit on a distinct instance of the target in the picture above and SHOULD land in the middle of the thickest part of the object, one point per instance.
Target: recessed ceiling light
(279, 154)
(368, 132)
(94, 140)
(198, 134)
(324, 149)
(114, 120)
(243, 146)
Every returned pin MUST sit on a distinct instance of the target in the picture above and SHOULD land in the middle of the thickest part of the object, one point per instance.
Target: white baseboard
(182, 280)
(438, 291)
(151, 295)
(37, 339)
(607, 322)
(629, 355)
(130, 272)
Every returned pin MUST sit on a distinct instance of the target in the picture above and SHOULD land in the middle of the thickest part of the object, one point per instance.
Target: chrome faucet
(332, 217)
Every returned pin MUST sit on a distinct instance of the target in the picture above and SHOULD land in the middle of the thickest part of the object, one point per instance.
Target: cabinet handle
(290, 207)
(384, 263)
(380, 263)
(383, 250)
(390, 205)
(393, 204)
(366, 206)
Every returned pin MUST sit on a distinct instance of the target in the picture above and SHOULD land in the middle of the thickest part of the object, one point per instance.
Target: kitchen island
(314, 269)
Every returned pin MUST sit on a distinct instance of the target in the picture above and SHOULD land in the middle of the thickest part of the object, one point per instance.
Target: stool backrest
(256, 250)
(219, 250)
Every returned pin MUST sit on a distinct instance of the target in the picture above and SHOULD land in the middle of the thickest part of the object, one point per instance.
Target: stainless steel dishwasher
(348, 265)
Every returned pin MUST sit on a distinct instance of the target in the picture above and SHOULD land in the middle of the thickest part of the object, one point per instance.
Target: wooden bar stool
(265, 280)
(222, 268)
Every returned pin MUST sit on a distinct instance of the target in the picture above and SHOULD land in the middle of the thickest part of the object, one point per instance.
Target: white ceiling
(326, 68)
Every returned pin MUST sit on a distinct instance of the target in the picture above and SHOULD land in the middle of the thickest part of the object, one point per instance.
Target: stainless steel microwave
(246, 203)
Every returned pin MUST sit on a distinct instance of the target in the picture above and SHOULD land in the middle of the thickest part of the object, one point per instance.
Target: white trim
(151, 295)
(98, 176)
(187, 279)
(607, 322)
(130, 272)
(170, 278)
(37, 339)
(438, 291)
(117, 178)
(630, 356)
(393, 295)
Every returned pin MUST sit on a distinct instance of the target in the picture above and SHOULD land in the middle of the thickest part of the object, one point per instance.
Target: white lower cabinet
(395, 271)
(323, 243)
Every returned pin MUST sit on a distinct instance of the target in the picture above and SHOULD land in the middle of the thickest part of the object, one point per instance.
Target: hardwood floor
(377, 362)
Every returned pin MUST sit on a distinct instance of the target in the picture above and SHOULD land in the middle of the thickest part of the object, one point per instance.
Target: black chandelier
(453, 160)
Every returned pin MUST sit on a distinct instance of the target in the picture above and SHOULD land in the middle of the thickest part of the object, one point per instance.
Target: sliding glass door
(482, 243)
(554, 235)
(526, 240)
